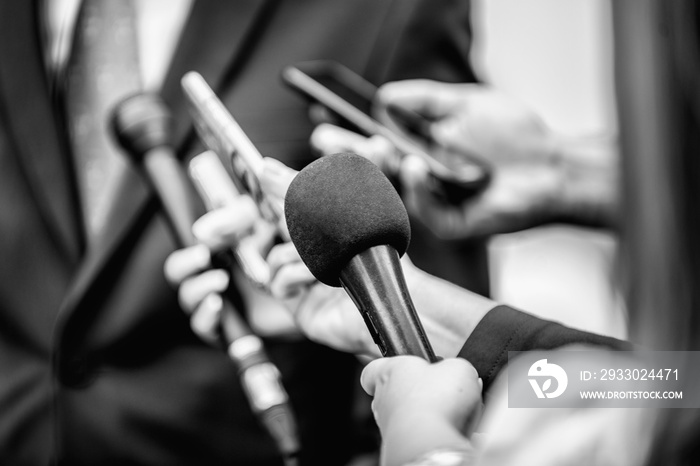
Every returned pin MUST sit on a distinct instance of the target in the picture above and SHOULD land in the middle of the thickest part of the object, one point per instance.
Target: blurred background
(556, 57)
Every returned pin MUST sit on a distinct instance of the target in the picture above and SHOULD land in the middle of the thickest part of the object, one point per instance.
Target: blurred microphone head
(140, 123)
(338, 207)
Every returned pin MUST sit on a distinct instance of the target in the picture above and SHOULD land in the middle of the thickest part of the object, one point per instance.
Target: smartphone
(349, 97)
(222, 134)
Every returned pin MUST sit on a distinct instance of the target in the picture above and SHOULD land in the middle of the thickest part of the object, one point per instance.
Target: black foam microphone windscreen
(350, 227)
(340, 206)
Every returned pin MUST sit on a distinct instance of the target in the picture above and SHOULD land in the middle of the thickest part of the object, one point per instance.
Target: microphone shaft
(170, 183)
(374, 280)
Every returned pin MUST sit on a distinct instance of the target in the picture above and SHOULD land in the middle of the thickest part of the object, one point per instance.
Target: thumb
(414, 175)
(432, 99)
(373, 373)
(276, 178)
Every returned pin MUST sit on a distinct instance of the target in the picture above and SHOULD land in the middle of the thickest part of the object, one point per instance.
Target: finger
(432, 99)
(186, 262)
(460, 368)
(194, 289)
(276, 177)
(206, 318)
(380, 371)
(281, 255)
(290, 280)
(263, 237)
(372, 373)
(222, 228)
(320, 114)
(445, 221)
(414, 176)
(381, 152)
(330, 139)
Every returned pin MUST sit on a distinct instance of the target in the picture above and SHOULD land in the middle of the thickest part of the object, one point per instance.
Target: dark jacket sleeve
(505, 329)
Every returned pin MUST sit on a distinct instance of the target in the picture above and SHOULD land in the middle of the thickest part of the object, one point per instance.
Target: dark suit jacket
(97, 363)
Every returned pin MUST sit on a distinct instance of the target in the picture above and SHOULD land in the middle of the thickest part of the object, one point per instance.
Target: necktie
(102, 69)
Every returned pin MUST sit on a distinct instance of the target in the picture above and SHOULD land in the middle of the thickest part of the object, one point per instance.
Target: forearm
(448, 312)
(461, 323)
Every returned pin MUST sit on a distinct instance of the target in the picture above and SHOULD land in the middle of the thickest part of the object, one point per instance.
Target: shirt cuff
(505, 329)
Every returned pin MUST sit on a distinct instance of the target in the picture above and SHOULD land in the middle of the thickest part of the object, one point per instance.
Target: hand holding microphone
(340, 208)
(142, 126)
(423, 409)
(190, 269)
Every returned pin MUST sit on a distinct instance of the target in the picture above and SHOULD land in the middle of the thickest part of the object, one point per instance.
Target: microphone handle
(374, 280)
(171, 185)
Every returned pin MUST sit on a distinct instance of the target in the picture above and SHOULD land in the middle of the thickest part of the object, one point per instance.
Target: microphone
(350, 227)
(142, 126)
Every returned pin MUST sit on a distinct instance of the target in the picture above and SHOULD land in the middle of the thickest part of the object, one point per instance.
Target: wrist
(448, 312)
(587, 172)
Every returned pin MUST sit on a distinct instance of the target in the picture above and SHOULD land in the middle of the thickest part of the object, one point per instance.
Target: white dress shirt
(159, 24)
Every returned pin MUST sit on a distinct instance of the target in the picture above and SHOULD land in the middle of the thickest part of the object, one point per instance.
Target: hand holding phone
(349, 96)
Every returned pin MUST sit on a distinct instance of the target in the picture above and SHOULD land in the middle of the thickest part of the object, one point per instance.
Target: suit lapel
(213, 41)
(26, 99)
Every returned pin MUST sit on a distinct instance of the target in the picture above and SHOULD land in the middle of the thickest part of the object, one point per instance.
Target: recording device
(222, 134)
(141, 125)
(349, 97)
(350, 228)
